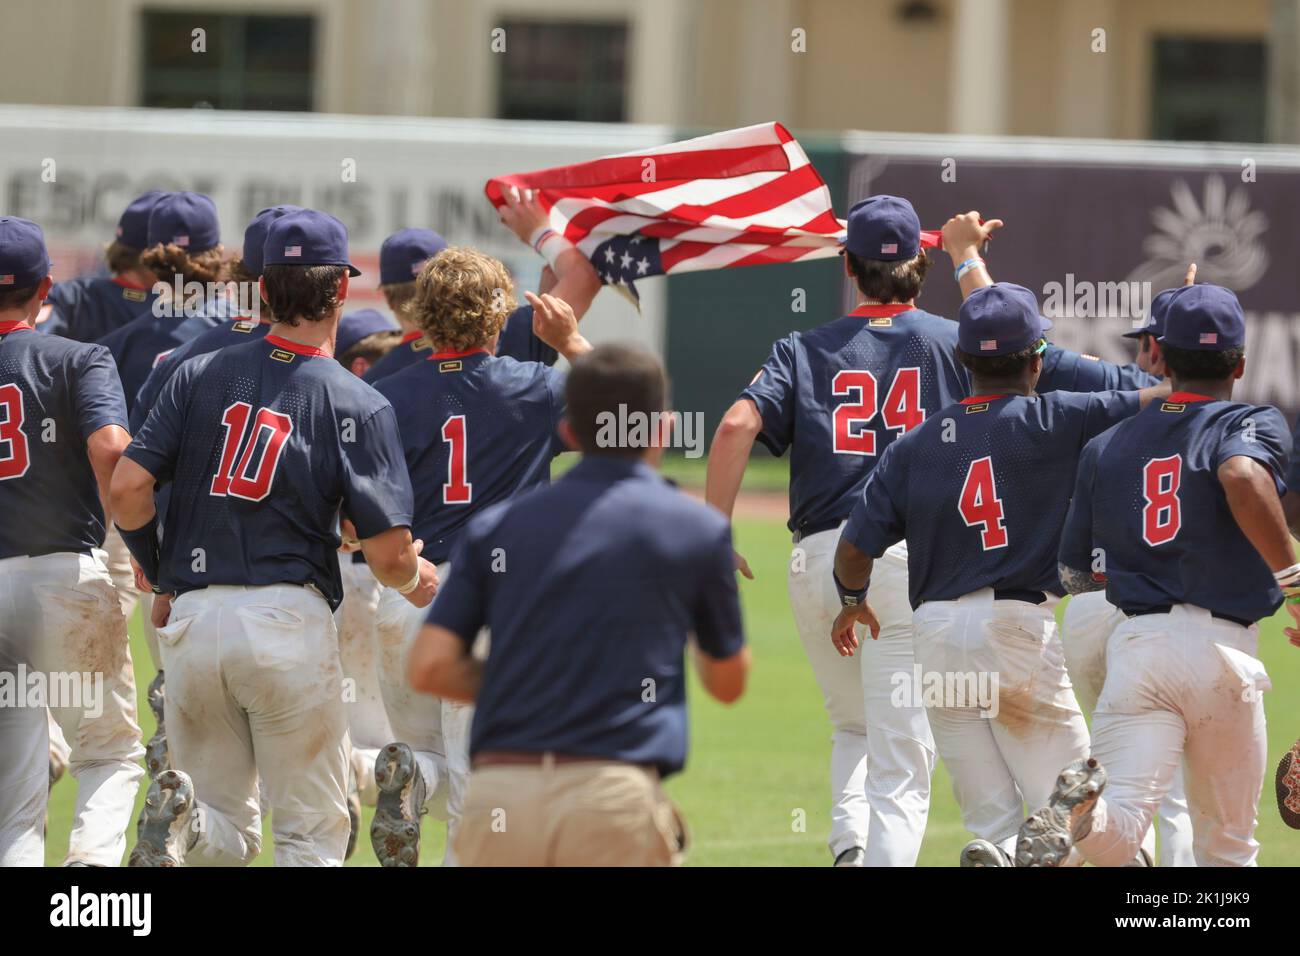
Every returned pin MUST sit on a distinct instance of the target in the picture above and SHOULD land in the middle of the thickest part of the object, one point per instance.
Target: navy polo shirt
(590, 587)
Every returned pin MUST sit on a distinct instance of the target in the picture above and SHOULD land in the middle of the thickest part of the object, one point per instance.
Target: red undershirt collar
(7, 327)
(452, 354)
(1185, 398)
(411, 336)
(128, 284)
(296, 347)
(868, 310)
(976, 399)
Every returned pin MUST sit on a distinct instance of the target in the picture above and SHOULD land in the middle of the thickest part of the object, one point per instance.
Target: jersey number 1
(901, 411)
(14, 458)
(980, 505)
(232, 478)
(457, 490)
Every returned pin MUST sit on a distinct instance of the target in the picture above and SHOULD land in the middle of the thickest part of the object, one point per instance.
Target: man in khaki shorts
(589, 588)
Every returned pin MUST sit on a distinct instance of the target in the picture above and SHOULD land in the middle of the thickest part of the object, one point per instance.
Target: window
(1210, 90)
(563, 71)
(249, 62)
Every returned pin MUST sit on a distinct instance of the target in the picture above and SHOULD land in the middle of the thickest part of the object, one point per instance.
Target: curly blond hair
(462, 298)
(167, 261)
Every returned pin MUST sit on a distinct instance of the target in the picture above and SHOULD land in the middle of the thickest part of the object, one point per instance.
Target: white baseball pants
(119, 568)
(62, 611)
(1007, 755)
(254, 688)
(1086, 627)
(436, 730)
(882, 755)
(367, 720)
(1180, 687)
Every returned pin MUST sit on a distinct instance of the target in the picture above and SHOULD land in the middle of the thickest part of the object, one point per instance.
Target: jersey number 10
(233, 478)
(901, 411)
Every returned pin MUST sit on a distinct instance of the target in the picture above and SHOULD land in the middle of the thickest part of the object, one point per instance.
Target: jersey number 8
(902, 409)
(1163, 515)
(14, 457)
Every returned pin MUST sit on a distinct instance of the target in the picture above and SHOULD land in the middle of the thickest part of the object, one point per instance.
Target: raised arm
(575, 280)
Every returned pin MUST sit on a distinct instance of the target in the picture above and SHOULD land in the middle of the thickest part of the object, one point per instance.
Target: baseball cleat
(983, 853)
(395, 830)
(1288, 787)
(853, 856)
(156, 758)
(164, 821)
(1047, 836)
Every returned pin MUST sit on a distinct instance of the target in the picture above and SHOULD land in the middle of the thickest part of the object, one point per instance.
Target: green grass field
(755, 765)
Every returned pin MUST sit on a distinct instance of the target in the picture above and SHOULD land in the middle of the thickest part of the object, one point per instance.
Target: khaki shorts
(586, 813)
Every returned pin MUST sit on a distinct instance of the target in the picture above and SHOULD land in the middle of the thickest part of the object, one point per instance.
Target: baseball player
(477, 428)
(264, 443)
(370, 336)
(184, 246)
(1181, 504)
(979, 492)
(62, 431)
(1089, 620)
(837, 396)
(88, 308)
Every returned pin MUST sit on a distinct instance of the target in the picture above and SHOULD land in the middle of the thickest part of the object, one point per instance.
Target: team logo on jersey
(280, 355)
(881, 321)
(243, 326)
(980, 407)
(453, 366)
(133, 295)
(420, 344)
(1173, 407)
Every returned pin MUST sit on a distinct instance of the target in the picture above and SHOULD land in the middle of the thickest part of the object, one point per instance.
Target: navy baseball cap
(355, 326)
(405, 252)
(133, 225)
(255, 236)
(1155, 324)
(885, 228)
(24, 260)
(185, 219)
(999, 319)
(308, 237)
(1206, 318)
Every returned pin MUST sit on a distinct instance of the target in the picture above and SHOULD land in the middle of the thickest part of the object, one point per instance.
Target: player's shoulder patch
(243, 325)
(282, 355)
(422, 344)
(977, 407)
(134, 295)
(451, 365)
(1173, 406)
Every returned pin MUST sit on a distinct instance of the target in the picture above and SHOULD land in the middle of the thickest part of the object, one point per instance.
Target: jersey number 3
(901, 411)
(1163, 515)
(232, 477)
(14, 458)
(980, 505)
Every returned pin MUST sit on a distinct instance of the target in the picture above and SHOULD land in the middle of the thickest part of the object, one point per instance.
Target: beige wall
(700, 63)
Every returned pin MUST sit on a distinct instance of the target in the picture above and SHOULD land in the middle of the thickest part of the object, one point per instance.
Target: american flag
(737, 198)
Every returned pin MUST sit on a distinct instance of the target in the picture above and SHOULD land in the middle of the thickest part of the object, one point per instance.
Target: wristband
(849, 598)
(1291, 572)
(143, 545)
(549, 244)
(412, 584)
(966, 267)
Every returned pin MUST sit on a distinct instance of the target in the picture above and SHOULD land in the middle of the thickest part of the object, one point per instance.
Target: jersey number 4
(1163, 515)
(14, 458)
(901, 411)
(269, 433)
(980, 505)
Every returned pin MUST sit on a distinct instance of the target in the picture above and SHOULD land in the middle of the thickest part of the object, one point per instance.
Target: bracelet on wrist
(412, 584)
(850, 597)
(966, 266)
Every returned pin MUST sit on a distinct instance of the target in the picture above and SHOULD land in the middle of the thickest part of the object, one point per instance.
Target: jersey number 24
(900, 412)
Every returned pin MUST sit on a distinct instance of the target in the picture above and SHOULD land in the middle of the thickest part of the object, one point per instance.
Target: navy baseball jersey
(476, 429)
(1293, 466)
(1148, 495)
(225, 334)
(516, 341)
(54, 393)
(1068, 371)
(590, 587)
(980, 491)
(841, 393)
(264, 443)
(89, 308)
(147, 339)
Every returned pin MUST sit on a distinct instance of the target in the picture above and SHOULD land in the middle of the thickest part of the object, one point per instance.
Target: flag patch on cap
(293, 251)
(181, 240)
(1209, 338)
(6, 280)
(889, 249)
(417, 266)
(988, 345)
